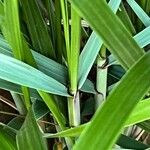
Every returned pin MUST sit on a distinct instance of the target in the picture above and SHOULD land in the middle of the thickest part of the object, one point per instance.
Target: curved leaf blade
(130, 91)
(91, 49)
(29, 136)
(46, 65)
(20, 73)
(6, 142)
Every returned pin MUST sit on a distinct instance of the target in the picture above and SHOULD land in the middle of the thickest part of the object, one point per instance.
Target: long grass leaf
(20, 73)
(111, 30)
(133, 91)
(91, 49)
(139, 12)
(37, 28)
(65, 17)
(7, 142)
(139, 114)
(48, 66)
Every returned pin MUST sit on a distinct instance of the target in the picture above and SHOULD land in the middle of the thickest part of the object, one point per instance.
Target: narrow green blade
(37, 28)
(75, 50)
(72, 132)
(111, 30)
(87, 57)
(46, 65)
(1, 12)
(11, 27)
(65, 17)
(130, 143)
(143, 38)
(20, 73)
(139, 114)
(91, 49)
(12, 32)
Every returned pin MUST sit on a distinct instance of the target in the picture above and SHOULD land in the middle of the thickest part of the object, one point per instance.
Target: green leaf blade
(91, 49)
(139, 12)
(39, 34)
(29, 136)
(20, 73)
(132, 92)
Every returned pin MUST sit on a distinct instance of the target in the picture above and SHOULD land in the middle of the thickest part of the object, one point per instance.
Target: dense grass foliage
(76, 74)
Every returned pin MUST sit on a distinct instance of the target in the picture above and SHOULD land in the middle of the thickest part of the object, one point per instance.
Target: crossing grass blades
(77, 74)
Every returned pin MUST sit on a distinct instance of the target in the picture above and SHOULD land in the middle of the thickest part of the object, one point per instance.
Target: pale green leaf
(111, 30)
(39, 109)
(91, 49)
(20, 73)
(46, 65)
(75, 50)
(143, 38)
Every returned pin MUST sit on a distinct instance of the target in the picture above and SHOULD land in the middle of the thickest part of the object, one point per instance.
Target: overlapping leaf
(91, 49)
(20, 73)
(125, 96)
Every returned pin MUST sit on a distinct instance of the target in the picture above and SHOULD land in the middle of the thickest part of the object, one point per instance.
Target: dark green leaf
(125, 96)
